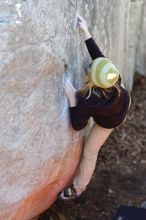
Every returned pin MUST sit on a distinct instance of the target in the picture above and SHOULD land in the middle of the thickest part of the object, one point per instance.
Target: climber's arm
(92, 47)
(78, 116)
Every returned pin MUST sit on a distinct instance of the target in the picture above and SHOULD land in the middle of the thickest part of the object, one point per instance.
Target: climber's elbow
(78, 127)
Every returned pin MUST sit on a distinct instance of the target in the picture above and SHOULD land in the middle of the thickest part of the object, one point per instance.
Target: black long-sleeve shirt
(107, 112)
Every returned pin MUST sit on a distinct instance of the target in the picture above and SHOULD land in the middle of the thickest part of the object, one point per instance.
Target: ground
(120, 175)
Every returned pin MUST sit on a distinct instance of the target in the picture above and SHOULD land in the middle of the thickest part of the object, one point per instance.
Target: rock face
(141, 47)
(40, 47)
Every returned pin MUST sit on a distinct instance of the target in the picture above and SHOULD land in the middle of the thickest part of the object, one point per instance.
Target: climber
(105, 99)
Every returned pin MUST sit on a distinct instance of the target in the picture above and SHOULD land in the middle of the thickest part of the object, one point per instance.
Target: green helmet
(103, 73)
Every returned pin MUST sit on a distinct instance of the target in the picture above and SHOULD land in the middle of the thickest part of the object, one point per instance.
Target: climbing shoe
(69, 194)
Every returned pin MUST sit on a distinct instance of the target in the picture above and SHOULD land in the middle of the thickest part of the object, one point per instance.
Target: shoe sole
(65, 199)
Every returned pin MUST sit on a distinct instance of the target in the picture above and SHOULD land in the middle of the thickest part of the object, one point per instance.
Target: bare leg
(95, 139)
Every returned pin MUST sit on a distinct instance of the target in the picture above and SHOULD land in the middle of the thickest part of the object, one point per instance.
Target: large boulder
(40, 47)
(141, 47)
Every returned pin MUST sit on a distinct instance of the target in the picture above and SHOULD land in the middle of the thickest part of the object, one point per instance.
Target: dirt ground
(120, 175)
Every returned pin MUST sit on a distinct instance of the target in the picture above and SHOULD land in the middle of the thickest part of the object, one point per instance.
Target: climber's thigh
(95, 139)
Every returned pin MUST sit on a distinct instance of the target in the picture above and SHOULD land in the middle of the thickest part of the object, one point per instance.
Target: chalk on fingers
(80, 18)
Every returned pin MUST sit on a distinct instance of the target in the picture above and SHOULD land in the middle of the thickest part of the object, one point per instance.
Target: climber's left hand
(70, 93)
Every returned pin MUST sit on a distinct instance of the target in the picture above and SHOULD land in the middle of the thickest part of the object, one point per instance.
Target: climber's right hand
(81, 23)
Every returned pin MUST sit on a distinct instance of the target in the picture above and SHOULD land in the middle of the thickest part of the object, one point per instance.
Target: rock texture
(141, 47)
(40, 47)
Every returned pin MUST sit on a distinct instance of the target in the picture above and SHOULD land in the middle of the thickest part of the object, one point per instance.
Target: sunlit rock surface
(40, 47)
(141, 47)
